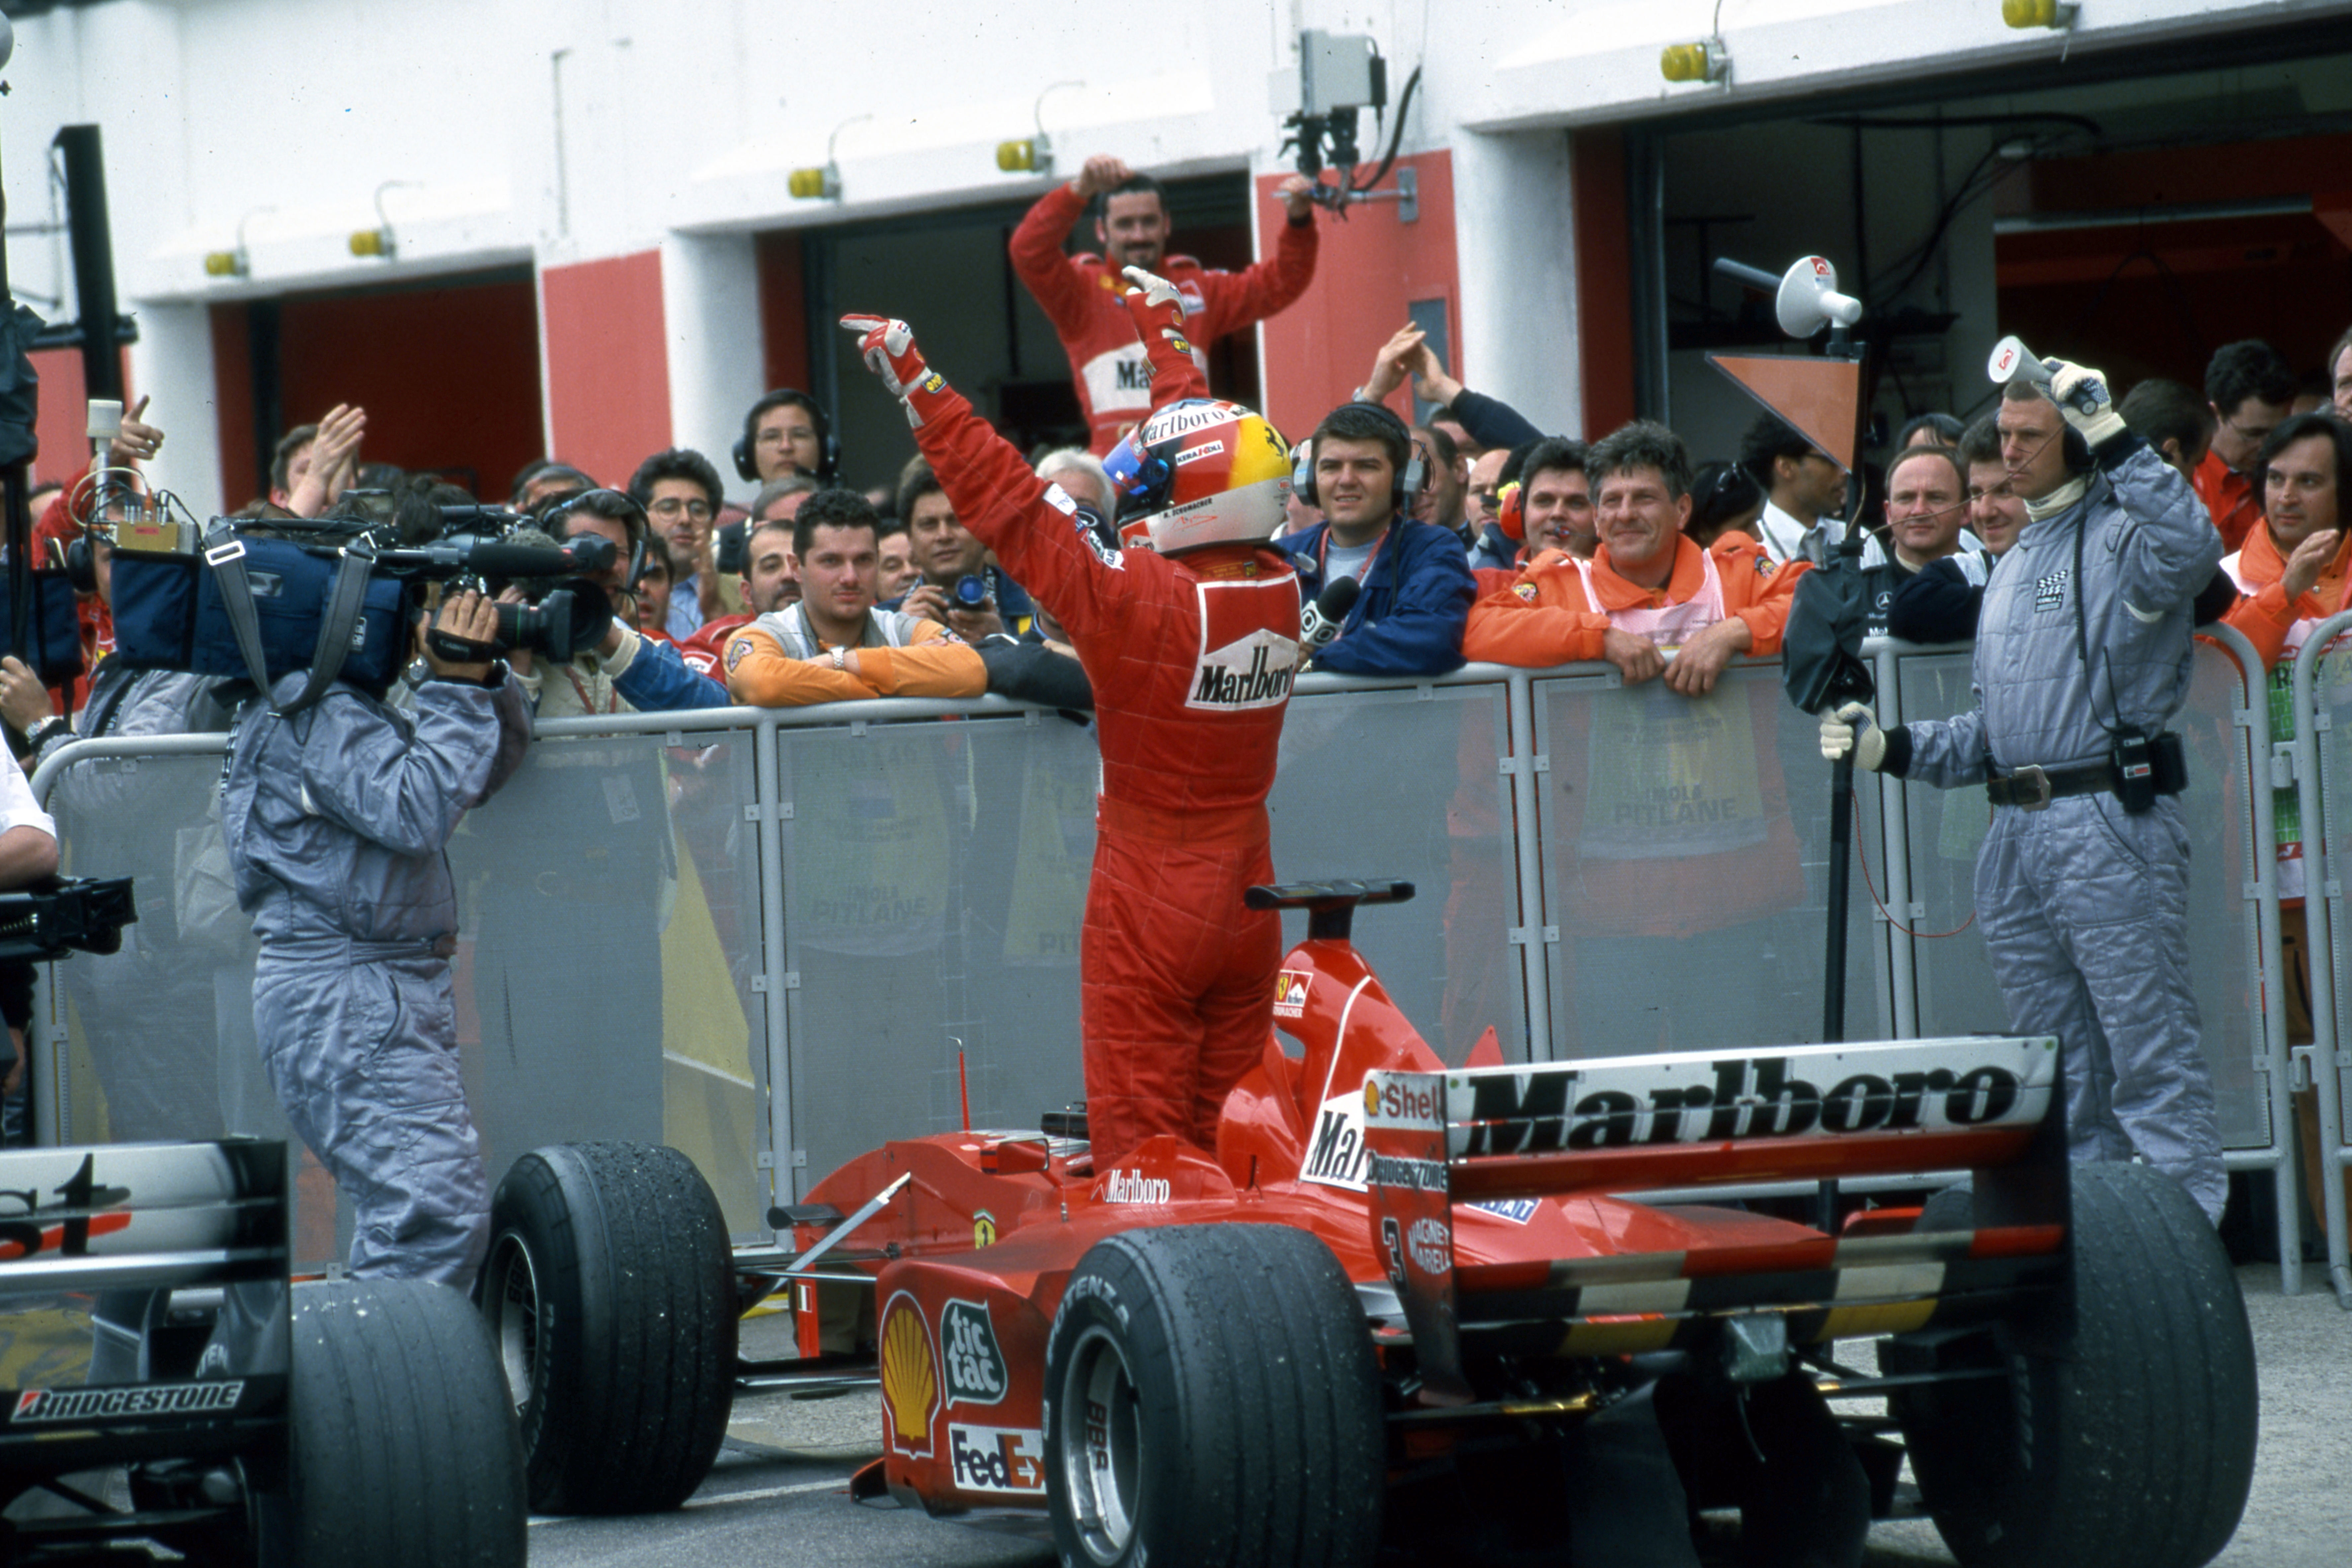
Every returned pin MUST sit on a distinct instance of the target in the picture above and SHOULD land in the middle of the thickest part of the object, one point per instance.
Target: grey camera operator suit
(336, 822)
(2084, 637)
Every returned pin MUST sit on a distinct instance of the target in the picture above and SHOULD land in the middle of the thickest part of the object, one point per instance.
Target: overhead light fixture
(2038, 13)
(234, 263)
(1705, 60)
(822, 184)
(1035, 155)
(379, 241)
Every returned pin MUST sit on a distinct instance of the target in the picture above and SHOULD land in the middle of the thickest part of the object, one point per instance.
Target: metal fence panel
(2324, 770)
(935, 878)
(1410, 782)
(1956, 991)
(1685, 852)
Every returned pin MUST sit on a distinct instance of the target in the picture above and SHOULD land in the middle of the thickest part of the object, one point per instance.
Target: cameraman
(337, 821)
(626, 671)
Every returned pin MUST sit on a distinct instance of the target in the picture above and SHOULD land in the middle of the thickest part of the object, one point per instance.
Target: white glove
(2082, 395)
(1852, 729)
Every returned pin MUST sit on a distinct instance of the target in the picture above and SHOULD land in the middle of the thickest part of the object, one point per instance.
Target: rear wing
(1987, 1103)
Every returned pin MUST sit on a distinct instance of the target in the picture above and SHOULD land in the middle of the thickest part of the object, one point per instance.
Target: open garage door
(948, 273)
(2136, 220)
(446, 368)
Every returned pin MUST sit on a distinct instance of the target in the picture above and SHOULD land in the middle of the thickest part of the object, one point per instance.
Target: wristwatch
(840, 658)
(38, 735)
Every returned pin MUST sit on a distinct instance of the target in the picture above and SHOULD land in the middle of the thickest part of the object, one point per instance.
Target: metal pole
(92, 237)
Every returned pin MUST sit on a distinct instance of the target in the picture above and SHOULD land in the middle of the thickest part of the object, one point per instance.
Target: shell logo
(911, 1377)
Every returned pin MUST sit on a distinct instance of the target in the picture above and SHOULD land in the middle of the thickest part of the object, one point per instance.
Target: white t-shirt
(17, 807)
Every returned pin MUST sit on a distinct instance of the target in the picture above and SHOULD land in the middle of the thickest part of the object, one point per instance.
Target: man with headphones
(2083, 655)
(787, 432)
(1361, 469)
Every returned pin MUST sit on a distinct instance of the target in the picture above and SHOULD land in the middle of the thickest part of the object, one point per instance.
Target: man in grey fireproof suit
(2084, 637)
(336, 822)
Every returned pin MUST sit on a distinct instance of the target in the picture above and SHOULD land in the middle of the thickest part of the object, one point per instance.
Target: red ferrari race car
(1400, 1305)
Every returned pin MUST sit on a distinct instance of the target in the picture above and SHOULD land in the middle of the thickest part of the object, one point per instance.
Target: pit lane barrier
(844, 926)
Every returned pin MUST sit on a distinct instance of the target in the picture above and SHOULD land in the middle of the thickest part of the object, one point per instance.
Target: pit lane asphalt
(779, 1495)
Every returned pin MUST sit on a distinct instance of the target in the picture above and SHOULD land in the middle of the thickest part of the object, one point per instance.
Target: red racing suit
(1191, 660)
(1082, 296)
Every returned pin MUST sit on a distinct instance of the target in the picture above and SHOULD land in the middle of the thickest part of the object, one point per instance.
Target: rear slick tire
(2127, 1442)
(610, 1292)
(401, 1447)
(1211, 1397)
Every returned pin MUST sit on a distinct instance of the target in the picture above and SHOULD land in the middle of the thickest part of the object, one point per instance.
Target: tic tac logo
(910, 1381)
(38, 1405)
(1290, 994)
(1005, 1459)
(975, 1366)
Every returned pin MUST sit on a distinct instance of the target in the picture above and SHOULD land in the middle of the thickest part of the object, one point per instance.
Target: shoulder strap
(224, 553)
(344, 602)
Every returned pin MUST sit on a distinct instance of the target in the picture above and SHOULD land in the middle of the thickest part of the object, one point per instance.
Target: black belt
(2033, 788)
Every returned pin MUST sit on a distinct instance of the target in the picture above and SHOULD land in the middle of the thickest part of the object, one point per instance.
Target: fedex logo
(1004, 1459)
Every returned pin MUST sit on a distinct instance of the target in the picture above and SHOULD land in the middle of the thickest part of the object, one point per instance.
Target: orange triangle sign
(1821, 397)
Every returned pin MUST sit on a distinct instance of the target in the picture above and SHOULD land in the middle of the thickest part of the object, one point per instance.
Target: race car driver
(1188, 628)
(2083, 655)
(338, 821)
(1116, 385)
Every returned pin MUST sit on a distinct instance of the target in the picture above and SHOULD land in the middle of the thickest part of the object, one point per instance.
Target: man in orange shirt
(833, 645)
(1647, 587)
(2251, 388)
(1669, 810)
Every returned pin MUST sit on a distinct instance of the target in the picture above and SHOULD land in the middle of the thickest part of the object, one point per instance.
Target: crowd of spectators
(1474, 535)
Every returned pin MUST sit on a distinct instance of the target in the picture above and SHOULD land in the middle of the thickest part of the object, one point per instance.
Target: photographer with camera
(338, 820)
(962, 589)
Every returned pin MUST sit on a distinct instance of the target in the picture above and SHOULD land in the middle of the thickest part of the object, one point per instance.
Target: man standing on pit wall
(2083, 655)
(1081, 294)
(338, 821)
(1188, 627)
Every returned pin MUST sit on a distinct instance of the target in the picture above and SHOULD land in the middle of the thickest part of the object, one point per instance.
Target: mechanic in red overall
(1187, 624)
(1081, 294)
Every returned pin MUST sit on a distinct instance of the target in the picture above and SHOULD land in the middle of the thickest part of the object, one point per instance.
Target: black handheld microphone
(1318, 623)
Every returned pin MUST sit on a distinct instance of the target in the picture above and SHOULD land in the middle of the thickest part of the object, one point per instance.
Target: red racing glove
(890, 353)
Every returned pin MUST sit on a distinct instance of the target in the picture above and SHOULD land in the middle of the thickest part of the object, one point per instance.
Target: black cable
(1396, 137)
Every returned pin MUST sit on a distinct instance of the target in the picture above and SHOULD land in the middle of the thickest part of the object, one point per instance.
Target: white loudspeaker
(1809, 300)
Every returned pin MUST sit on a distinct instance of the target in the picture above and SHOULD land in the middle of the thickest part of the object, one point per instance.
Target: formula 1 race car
(1401, 1306)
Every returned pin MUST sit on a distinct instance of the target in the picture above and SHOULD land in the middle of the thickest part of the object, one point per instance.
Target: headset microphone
(1320, 623)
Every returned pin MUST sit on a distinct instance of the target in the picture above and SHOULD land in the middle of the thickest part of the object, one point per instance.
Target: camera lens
(971, 591)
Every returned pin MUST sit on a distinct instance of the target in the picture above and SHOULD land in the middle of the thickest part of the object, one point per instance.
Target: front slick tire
(401, 1447)
(611, 1294)
(1213, 1397)
(2128, 1443)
